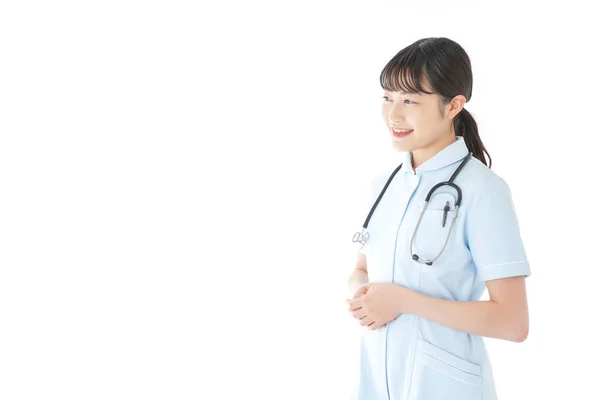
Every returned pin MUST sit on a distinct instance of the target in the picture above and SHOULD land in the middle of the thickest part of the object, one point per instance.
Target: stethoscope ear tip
(416, 258)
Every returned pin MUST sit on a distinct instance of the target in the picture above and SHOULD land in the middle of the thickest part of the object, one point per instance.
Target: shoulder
(479, 180)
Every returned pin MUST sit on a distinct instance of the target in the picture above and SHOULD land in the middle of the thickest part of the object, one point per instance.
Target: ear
(456, 105)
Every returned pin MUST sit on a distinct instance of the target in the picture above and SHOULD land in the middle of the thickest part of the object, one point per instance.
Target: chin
(400, 146)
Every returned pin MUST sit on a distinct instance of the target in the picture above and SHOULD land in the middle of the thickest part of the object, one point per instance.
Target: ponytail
(467, 128)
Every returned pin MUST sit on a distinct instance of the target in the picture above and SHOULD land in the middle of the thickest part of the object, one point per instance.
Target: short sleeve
(493, 234)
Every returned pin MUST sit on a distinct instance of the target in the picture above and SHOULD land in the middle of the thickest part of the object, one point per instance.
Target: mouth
(400, 133)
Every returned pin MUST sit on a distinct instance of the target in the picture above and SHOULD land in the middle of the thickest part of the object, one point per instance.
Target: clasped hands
(376, 304)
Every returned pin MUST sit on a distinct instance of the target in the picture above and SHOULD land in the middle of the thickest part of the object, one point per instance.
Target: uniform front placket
(410, 186)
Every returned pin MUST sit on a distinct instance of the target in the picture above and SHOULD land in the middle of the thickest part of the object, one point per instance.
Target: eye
(387, 99)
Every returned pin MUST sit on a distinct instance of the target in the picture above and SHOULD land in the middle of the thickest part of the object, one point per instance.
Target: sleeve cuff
(504, 270)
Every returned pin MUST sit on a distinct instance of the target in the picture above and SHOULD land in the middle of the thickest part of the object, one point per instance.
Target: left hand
(381, 303)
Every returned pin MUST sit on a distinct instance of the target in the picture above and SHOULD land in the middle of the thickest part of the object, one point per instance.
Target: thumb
(361, 290)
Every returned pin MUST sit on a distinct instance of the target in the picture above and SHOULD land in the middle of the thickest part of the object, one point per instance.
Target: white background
(179, 185)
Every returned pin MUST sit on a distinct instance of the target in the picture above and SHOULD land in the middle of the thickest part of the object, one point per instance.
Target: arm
(360, 275)
(493, 237)
(504, 316)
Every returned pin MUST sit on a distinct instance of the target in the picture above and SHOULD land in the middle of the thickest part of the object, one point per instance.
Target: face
(429, 119)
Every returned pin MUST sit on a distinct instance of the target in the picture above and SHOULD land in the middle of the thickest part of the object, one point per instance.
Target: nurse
(424, 323)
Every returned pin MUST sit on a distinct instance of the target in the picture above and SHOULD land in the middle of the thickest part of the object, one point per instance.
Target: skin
(431, 120)
(373, 305)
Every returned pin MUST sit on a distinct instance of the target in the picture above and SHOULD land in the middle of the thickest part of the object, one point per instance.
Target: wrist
(357, 279)
(404, 300)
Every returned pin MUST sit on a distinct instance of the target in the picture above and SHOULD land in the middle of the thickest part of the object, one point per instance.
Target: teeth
(401, 130)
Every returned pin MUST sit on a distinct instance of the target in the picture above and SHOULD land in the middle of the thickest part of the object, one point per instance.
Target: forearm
(482, 318)
(357, 278)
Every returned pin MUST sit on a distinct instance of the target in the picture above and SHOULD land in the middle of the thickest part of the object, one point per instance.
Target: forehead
(403, 93)
(406, 93)
(407, 85)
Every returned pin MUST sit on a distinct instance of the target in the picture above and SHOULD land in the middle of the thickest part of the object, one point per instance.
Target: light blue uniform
(415, 358)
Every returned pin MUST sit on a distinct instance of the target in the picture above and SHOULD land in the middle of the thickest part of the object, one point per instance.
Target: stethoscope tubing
(363, 236)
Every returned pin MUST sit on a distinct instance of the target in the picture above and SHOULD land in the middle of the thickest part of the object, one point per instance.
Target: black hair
(446, 67)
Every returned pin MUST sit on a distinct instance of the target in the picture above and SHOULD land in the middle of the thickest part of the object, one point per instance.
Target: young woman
(429, 251)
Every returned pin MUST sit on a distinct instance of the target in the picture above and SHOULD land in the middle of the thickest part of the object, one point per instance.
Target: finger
(366, 320)
(350, 308)
(374, 325)
(354, 309)
(358, 295)
(358, 314)
(356, 303)
(365, 287)
(361, 291)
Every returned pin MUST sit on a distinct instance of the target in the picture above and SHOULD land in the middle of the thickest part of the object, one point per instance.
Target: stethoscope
(362, 236)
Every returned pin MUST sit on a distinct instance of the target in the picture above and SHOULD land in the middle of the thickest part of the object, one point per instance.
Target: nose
(395, 119)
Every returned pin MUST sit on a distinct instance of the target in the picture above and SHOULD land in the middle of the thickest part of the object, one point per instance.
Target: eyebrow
(405, 93)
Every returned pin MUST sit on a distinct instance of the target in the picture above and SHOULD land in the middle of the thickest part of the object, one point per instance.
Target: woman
(422, 312)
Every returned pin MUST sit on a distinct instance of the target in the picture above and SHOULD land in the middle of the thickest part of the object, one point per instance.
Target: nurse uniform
(413, 358)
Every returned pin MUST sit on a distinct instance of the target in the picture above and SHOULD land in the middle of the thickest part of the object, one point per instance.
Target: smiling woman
(411, 103)
(415, 290)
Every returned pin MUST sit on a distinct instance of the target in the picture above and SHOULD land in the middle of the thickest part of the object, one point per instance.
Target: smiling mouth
(402, 130)
(401, 133)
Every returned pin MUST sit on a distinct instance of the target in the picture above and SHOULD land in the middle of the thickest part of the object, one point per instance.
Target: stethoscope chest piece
(361, 237)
